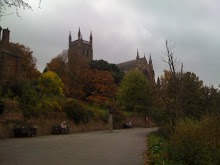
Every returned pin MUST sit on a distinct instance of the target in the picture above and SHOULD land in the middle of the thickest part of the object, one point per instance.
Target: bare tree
(177, 83)
(17, 4)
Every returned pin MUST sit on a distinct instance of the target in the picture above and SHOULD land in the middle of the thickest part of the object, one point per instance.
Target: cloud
(119, 27)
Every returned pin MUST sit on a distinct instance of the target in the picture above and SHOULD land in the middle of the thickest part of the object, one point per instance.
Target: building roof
(125, 66)
(83, 41)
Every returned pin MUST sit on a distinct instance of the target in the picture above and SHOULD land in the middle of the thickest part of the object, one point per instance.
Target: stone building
(80, 48)
(10, 61)
(83, 50)
(140, 64)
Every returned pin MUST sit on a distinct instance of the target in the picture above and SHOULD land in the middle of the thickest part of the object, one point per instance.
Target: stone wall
(12, 117)
(45, 124)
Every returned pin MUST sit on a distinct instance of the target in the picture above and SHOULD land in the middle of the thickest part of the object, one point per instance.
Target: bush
(159, 116)
(156, 149)
(34, 102)
(12, 88)
(164, 132)
(2, 106)
(195, 142)
(78, 112)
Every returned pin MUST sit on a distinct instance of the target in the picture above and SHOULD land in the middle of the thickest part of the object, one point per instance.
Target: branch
(13, 3)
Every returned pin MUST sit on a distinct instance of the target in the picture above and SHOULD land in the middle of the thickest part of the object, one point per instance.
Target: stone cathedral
(140, 64)
(83, 49)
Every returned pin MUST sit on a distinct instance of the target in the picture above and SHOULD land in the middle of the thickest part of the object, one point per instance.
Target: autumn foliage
(51, 83)
(28, 60)
(102, 87)
(81, 81)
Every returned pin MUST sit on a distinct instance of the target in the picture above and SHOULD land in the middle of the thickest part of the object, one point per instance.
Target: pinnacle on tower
(70, 37)
(145, 58)
(150, 60)
(158, 81)
(137, 55)
(91, 37)
(79, 34)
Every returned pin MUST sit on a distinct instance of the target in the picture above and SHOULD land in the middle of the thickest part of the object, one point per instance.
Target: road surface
(121, 147)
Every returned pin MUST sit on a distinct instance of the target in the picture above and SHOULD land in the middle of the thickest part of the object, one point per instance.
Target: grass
(155, 149)
(129, 113)
(104, 111)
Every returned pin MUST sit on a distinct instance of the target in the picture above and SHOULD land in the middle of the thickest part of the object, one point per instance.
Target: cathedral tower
(80, 48)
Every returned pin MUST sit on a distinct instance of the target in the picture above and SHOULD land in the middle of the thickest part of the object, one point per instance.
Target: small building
(10, 62)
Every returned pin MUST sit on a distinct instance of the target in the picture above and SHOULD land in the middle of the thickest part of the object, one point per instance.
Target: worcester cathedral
(11, 65)
(84, 49)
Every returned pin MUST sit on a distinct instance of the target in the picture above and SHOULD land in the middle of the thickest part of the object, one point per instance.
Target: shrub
(78, 112)
(195, 142)
(156, 149)
(164, 132)
(12, 88)
(34, 102)
(2, 106)
(159, 115)
(51, 84)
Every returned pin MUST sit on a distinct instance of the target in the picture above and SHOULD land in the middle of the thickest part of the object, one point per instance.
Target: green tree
(51, 83)
(134, 92)
(191, 95)
(210, 100)
(105, 66)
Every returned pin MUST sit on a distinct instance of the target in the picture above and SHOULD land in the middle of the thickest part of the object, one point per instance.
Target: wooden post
(110, 122)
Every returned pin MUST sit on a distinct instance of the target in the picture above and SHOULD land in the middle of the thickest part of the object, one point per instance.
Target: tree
(134, 92)
(102, 87)
(210, 100)
(28, 60)
(59, 65)
(51, 83)
(174, 86)
(191, 95)
(105, 66)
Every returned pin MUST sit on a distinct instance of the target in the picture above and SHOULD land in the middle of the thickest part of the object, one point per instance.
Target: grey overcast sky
(119, 27)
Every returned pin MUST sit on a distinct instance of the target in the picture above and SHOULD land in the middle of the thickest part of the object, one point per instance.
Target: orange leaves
(59, 65)
(28, 60)
(102, 87)
(83, 83)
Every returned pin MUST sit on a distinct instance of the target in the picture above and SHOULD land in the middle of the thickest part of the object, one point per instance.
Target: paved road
(122, 147)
